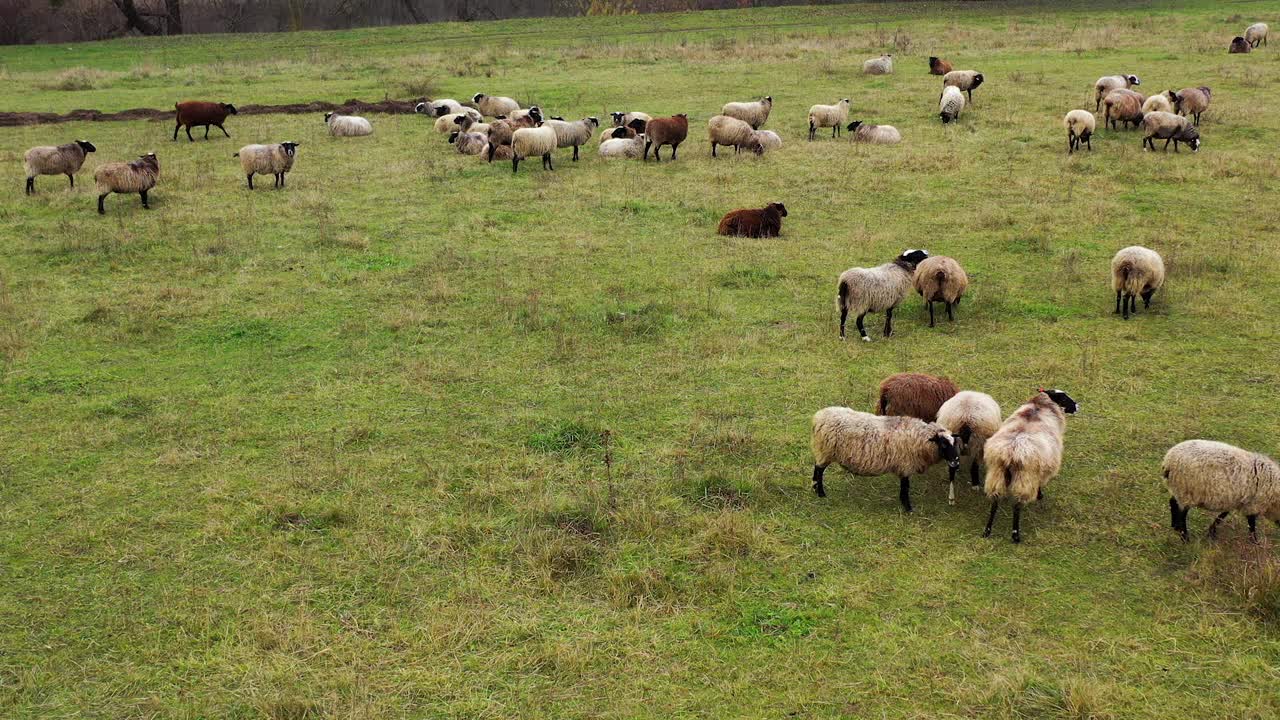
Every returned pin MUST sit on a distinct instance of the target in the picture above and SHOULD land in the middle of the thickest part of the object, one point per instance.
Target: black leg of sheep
(888, 322)
(1017, 522)
(904, 493)
(817, 480)
(189, 138)
(1133, 304)
(145, 206)
(974, 474)
(72, 179)
(1174, 513)
(844, 314)
(1253, 528)
(224, 131)
(951, 317)
(1118, 296)
(673, 150)
(930, 313)
(31, 186)
(250, 179)
(991, 517)
(102, 210)
(176, 128)
(862, 330)
(1213, 527)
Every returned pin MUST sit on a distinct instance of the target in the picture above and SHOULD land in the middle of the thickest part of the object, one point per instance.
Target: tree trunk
(174, 8)
(134, 19)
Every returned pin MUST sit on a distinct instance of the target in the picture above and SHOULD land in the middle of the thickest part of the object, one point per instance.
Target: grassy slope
(374, 349)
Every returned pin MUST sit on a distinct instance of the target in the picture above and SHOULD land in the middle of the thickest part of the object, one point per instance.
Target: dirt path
(392, 107)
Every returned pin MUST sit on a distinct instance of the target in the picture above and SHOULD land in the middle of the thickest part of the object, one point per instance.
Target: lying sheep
(573, 134)
(1107, 83)
(437, 108)
(1256, 34)
(832, 116)
(882, 65)
(1157, 103)
(1169, 127)
(972, 418)
(275, 160)
(1220, 478)
(868, 445)
(347, 125)
(493, 152)
(1026, 453)
(449, 123)
(764, 140)
(1135, 271)
(752, 113)
(500, 131)
(874, 134)
(56, 160)
(941, 279)
(1191, 101)
(491, 106)
(753, 223)
(468, 124)
(1080, 126)
(1238, 46)
(966, 80)
(138, 176)
(665, 131)
(532, 142)
(469, 143)
(531, 111)
(914, 395)
(730, 132)
(877, 289)
(630, 147)
(950, 104)
(617, 133)
(196, 113)
(1122, 106)
(938, 66)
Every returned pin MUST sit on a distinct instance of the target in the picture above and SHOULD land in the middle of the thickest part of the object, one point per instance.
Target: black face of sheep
(617, 117)
(420, 108)
(476, 98)
(327, 116)
(595, 121)
(458, 120)
(977, 80)
(536, 113)
(289, 147)
(782, 209)
(913, 257)
(86, 146)
(1063, 400)
(439, 111)
(854, 125)
(1133, 79)
(637, 124)
(231, 109)
(620, 133)
(453, 136)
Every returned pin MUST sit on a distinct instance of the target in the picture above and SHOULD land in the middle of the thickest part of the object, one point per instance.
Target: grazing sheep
(914, 395)
(1167, 127)
(500, 131)
(56, 160)
(491, 106)
(196, 112)
(938, 66)
(1026, 453)
(629, 148)
(1107, 83)
(762, 140)
(665, 131)
(724, 130)
(138, 176)
(867, 445)
(1080, 126)
(971, 417)
(1157, 103)
(573, 134)
(761, 223)
(1191, 101)
(531, 142)
(965, 80)
(275, 160)
(950, 104)
(882, 65)
(752, 113)
(469, 143)
(1256, 34)
(1135, 271)
(624, 119)
(832, 116)
(1123, 106)
(874, 134)
(877, 289)
(436, 108)
(1220, 478)
(941, 279)
(347, 125)
(1239, 45)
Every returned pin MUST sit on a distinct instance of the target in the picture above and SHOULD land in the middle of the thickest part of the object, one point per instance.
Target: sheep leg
(1213, 527)
(951, 316)
(515, 163)
(1088, 141)
(817, 480)
(844, 314)
(31, 186)
(991, 518)
(102, 210)
(1017, 522)
(1071, 143)
(1125, 309)
(492, 148)
(1146, 298)
(575, 153)
(206, 132)
(189, 138)
(546, 162)
(657, 150)
(143, 194)
(72, 178)
(713, 148)
(1175, 518)
(175, 131)
(1039, 494)
(973, 473)
(1165, 148)
(930, 303)
(904, 493)
(888, 322)
(835, 130)
(250, 178)
(673, 150)
(813, 130)
(862, 329)
(1118, 294)
(1253, 528)
(224, 131)
(1133, 304)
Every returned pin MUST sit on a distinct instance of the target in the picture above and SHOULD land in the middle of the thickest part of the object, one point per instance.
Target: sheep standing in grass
(882, 65)
(574, 134)
(625, 119)
(750, 222)
(1026, 453)
(754, 114)
(938, 66)
(56, 160)
(1239, 46)
(1169, 127)
(1107, 83)
(532, 142)
(832, 116)
(965, 80)
(1135, 271)
(665, 131)
(941, 279)
(138, 176)
(1122, 106)
(878, 289)
(1256, 34)
(972, 418)
(501, 131)
(914, 395)
(950, 104)
(491, 106)
(347, 125)
(1220, 478)
(1191, 101)
(194, 113)
(275, 160)
(730, 132)
(874, 134)
(1080, 126)
(868, 445)
(1157, 103)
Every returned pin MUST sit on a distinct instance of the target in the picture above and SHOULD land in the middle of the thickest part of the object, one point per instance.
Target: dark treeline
(35, 21)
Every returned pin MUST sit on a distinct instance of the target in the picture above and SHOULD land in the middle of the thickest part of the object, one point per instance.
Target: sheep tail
(940, 276)
(235, 154)
(1008, 476)
(844, 292)
(881, 403)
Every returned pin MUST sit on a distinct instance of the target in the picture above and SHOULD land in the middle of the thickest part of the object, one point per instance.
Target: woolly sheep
(665, 131)
(56, 160)
(1080, 126)
(882, 65)
(1122, 106)
(491, 106)
(1256, 34)
(500, 131)
(138, 176)
(832, 116)
(1169, 127)
(1157, 103)
(724, 130)
(446, 124)
(914, 395)
(971, 417)
(197, 112)
(617, 133)
(532, 142)
(950, 104)
(938, 66)
(1135, 271)
(874, 134)
(275, 160)
(493, 152)
(941, 279)
(1107, 83)
(347, 125)
(755, 223)
(1239, 46)
(468, 124)
(878, 289)
(1026, 453)
(1220, 478)
(966, 80)
(1191, 101)
(469, 143)
(436, 108)
(762, 140)
(624, 119)
(531, 111)
(630, 148)
(573, 134)
(868, 446)
(752, 113)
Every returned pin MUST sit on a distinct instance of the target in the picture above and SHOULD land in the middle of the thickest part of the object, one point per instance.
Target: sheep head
(1063, 400)
(86, 146)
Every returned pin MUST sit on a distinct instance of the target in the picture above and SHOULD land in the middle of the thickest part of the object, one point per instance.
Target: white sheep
(493, 106)
(1220, 478)
(1026, 453)
(950, 104)
(728, 131)
(874, 134)
(624, 119)
(832, 116)
(754, 114)
(765, 140)
(870, 445)
(469, 143)
(1169, 127)
(972, 417)
(532, 142)
(1107, 83)
(877, 289)
(1135, 271)
(138, 176)
(882, 65)
(56, 160)
(436, 108)
(630, 148)
(1256, 34)
(965, 80)
(1157, 103)
(275, 160)
(1080, 125)
(347, 125)
(574, 134)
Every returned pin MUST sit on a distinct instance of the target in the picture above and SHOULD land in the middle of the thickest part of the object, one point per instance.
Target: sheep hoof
(866, 339)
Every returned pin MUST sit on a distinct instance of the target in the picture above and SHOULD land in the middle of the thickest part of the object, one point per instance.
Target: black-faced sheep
(938, 66)
(878, 289)
(197, 112)
(532, 142)
(492, 106)
(941, 279)
(730, 132)
(500, 131)
(1026, 453)
(874, 134)
(966, 80)
(1191, 101)
(972, 418)
(574, 134)
(754, 114)
(1080, 125)
(1107, 83)
(1169, 127)
(665, 131)
(624, 146)
(1256, 34)
(1135, 271)
(138, 176)
(755, 223)
(914, 395)
(951, 104)
(1239, 46)
(275, 160)
(832, 116)
(882, 65)
(347, 125)
(1157, 103)
(56, 160)
(1220, 478)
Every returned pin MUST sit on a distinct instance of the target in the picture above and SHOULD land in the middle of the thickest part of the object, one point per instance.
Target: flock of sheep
(920, 420)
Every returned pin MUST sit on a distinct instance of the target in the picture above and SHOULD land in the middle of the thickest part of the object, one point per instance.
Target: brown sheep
(1191, 101)
(501, 130)
(1239, 45)
(938, 66)
(1123, 106)
(764, 222)
(914, 395)
(941, 279)
(196, 112)
(665, 131)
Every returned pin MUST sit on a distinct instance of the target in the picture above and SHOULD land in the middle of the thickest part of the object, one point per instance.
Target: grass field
(340, 451)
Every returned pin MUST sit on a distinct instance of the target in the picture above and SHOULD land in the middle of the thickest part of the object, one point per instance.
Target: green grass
(338, 451)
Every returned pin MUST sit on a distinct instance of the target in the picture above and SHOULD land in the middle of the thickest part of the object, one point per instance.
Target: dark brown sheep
(1239, 45)
(914, 395)
(501, 130)
(665, 131)
(194, 113)
(748, 222)
(938, 66)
